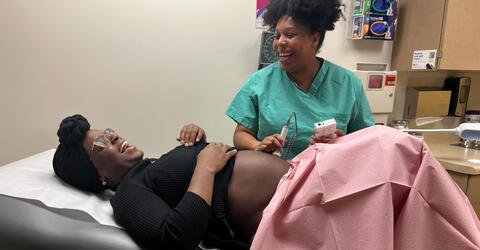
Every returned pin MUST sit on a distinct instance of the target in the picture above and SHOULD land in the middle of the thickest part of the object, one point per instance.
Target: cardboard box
(426, 102)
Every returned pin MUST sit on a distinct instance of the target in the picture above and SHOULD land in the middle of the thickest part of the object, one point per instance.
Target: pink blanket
(377, 188)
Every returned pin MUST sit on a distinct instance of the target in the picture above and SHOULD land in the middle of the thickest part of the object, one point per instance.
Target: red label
(390, 80)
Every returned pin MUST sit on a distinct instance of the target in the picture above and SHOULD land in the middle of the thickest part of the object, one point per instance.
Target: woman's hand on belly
(210, 161)
(214, 156)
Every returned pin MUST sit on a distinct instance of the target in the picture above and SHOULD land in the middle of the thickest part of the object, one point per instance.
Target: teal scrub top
(269, 96)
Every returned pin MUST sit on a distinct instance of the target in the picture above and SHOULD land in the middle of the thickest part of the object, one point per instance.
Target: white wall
(142, 67)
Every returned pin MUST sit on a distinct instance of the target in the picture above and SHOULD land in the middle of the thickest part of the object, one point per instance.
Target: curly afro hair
(318, 15)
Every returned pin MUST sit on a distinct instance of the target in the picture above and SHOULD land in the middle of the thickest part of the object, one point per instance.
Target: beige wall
(141, 67)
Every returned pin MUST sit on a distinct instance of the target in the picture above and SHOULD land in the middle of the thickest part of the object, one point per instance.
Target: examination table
(38, 211)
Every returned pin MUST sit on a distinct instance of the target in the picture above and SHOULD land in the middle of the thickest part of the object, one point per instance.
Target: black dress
(153, 204)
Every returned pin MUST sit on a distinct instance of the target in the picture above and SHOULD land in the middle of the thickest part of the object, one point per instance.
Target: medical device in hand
(325, 128)
(464, 130)
(284, 133)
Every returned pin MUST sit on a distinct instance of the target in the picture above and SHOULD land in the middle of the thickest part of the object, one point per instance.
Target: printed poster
(260, 8)
(424, 59)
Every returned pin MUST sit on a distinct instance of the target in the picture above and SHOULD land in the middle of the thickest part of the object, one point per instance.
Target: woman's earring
(104, 182)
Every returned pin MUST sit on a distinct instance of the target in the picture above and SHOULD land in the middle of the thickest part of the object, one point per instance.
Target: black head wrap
(71, 162)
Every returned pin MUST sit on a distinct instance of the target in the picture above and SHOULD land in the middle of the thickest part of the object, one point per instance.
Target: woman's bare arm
(245, 138)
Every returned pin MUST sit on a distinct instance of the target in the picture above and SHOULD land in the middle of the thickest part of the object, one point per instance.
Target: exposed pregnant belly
(254, 180)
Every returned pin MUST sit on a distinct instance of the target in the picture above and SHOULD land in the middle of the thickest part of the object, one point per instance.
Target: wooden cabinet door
(460, 44)
(419, 27)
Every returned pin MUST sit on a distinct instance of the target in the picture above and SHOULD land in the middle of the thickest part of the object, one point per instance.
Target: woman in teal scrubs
(314, 88)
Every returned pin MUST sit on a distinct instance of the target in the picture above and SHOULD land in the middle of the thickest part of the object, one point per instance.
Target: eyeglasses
(103, 141)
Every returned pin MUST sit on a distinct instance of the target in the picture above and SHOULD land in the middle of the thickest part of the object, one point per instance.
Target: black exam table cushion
(30, 224)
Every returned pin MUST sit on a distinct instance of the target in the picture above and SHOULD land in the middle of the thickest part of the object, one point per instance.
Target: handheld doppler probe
(284, 132)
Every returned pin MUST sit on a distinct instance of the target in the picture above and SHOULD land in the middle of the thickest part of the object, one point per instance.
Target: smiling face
(115, 158)
(295, 45)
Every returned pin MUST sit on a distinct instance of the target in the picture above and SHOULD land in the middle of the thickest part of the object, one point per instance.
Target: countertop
(445, 147)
